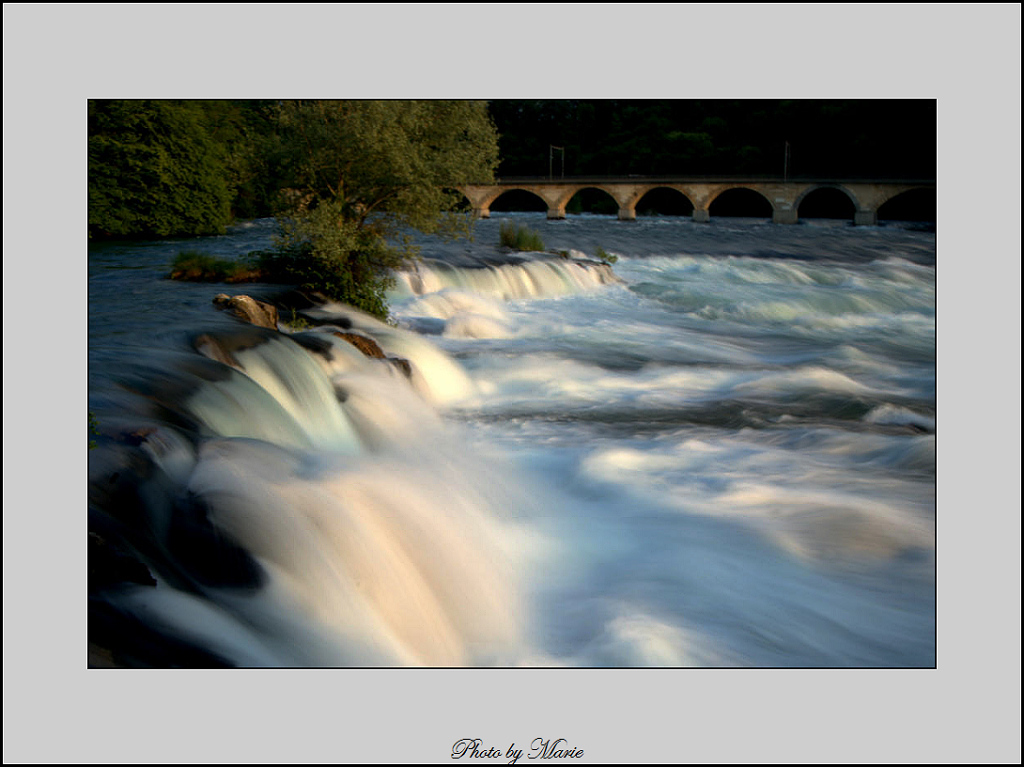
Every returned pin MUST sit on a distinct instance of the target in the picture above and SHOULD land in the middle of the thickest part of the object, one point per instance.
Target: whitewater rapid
(684, 458)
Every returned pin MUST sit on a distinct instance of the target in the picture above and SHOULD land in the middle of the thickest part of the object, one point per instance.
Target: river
(718, 451)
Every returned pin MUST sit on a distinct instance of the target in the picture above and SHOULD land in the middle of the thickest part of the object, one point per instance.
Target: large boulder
(249, 309)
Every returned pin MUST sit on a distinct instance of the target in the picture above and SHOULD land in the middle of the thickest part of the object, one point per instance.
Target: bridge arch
(918, 204)
(516, 198)
(826, 201)
(663, 200)
(740, 200)
(590, 199)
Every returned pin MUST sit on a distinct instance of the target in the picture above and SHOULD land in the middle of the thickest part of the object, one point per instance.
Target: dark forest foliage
(881, 139)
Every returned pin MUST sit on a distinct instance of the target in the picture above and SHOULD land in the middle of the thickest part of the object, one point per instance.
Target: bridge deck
(783, 195)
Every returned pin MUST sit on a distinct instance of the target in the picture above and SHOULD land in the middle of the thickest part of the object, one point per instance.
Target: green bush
(519, 237)
(297, 322)
(322, 251)
(196, 266)
(608, 258)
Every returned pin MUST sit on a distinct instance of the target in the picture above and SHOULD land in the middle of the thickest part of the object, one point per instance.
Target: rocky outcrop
(265, 315)
(248, 309)
(222, 346)
(372, 349)
(110, 565)
(300, 300)
(402, 365)
(365, 344)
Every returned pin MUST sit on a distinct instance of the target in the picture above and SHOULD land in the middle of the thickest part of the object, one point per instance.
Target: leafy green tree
(364, 173)
(154, 170)
(245, 134)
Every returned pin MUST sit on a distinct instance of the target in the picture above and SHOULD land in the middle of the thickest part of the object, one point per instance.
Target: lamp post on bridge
(551, 161)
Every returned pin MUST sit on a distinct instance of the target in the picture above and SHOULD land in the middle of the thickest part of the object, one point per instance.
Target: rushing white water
(693, 457)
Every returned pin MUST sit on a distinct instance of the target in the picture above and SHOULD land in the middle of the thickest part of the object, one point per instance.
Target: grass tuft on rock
(519, 237)
(196, 266)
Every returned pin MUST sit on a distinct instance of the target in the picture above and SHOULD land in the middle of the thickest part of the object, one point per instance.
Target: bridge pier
(784, 216)
(482, 212)
(555, 213)
(865, 218)
(627, 213)
(701, 216)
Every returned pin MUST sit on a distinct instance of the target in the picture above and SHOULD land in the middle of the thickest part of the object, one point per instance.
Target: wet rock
(372, 349)
(110, 564)
(249, 309)
(223, 346)
(205, 553)
(298, 300)
(402, 365)
(120, 639)
(314, 343)
(365, 344)
(138, 436)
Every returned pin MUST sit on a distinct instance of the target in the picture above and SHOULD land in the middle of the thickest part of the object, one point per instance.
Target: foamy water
(718, 451)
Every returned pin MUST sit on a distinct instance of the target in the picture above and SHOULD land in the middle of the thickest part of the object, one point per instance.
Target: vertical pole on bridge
(551, 161)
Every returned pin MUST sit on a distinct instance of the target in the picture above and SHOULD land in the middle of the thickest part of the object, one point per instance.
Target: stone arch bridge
(783, 196)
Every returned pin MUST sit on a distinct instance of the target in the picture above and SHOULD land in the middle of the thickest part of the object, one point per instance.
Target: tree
(364, 172)
(154, 170)
(245, 133)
